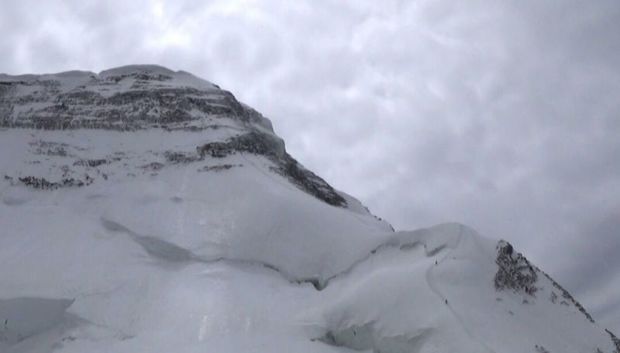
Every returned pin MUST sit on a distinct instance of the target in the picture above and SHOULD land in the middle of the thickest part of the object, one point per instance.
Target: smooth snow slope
(133, 241)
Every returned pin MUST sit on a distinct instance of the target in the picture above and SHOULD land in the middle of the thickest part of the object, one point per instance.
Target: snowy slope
(146, 210)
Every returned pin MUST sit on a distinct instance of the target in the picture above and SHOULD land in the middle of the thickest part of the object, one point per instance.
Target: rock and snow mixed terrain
(146, 210)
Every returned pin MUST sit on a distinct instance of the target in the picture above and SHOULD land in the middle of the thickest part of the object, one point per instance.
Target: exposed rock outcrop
(129, 98)
(272, 148)
(514, 271)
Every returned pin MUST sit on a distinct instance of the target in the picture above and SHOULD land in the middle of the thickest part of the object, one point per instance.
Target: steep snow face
(154, 185)
(146, 210)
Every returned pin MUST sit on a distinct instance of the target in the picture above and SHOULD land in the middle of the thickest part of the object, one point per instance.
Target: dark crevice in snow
(171, 253)
(163, 250)
(155, 247)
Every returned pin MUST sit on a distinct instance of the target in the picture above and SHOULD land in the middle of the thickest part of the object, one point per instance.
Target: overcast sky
(503, 115)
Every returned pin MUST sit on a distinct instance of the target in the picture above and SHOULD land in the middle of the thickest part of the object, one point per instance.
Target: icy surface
(147, 241)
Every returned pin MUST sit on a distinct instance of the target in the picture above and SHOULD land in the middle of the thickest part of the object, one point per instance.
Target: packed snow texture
(163, 249)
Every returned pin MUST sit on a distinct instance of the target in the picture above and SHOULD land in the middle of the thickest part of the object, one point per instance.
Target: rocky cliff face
(127, 98)
(145, 97)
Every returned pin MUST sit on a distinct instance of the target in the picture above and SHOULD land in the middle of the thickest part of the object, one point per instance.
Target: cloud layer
(500, 115)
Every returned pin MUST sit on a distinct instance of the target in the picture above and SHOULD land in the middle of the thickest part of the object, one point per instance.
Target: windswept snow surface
(155, 256)
(132, 241)
(189, 261)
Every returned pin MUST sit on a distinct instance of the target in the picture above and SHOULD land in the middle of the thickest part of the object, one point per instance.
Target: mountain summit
(141, 97)
(148, 210)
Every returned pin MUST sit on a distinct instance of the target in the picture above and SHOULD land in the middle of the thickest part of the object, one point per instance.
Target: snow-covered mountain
(147, 210)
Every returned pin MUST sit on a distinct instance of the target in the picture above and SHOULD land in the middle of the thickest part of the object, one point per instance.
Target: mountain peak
(124, 98)
(149, 210)
(142, 97)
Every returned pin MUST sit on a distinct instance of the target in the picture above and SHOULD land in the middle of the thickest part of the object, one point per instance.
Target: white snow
(225, 255)
(425, 297)
(190, 261)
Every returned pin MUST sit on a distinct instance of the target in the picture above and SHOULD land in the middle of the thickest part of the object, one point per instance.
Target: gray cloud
(501, 115)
